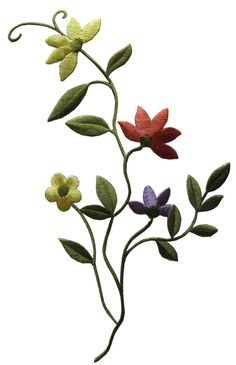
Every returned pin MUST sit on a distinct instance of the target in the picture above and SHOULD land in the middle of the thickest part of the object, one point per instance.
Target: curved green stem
(94, 261)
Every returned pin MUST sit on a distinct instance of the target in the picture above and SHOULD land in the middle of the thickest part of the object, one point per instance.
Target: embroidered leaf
(73, 29)
(97, 212)
(68, 102)
(119, 59)
(67, 65)
(106, 194)
(204, 230)
(88, 125)
(167, 251)
(76, 251)
(194, 192)
(211, 203)
(90, 30)
(58, 54)
(57, 41)
(174, 221)
(218, 177)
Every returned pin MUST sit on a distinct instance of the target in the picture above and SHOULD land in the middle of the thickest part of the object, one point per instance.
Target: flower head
(67, 47)
(152, 205)
(151, 132)
(63, 191)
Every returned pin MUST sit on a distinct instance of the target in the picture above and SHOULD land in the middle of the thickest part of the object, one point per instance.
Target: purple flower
(152, 205)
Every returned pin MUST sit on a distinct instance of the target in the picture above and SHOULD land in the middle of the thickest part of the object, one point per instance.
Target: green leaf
(167, 251)
(174, 221)
(204, 230)
(76, 251)
(194, 192)
(88, 125)
(106, 194)
(57, 41)
(90, 30)
(97, 212)
(58, 55)
(67, 65)
(73, 29)
(119, 59)
(218, 177)
(68, 102)
(211, 203)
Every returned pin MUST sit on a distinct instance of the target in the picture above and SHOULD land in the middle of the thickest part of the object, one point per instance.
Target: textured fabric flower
(63, 191)
(151, 132)
(152, 205)
(67, 47)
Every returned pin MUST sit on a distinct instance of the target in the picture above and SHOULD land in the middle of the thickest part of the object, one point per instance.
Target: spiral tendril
(64, 12)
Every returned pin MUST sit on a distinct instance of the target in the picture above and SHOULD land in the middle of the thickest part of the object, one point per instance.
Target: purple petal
(163, 197)
(164, 210)
(149, 197)
(137, 207)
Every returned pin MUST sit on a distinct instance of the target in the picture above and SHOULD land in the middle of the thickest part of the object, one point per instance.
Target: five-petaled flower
(152, 205)
(151, 133)
(63, 191)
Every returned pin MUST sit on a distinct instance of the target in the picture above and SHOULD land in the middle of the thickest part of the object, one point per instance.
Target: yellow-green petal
(58, 179)
(72, 182)
(74, 196)
(67, 65)
(58, 55)
(73, 29)
(51, 194)
(90, 30)
(57, 41)
(63, 204)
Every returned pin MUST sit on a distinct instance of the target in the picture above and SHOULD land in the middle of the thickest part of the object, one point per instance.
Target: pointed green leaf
(67, 65)
(68, 102)
(76, 251)
(90, 30)
(211, 203)
(194, 192)
(73, 29)
(97, 212)
(204, 230)
(106, 194)
(174, 221)
(218, 177)
(167, 251)
(58, 41)
(119, 59)
(88, 125)
(58, 55)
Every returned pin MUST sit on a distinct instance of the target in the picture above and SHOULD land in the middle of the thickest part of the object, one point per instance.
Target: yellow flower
(63, 191)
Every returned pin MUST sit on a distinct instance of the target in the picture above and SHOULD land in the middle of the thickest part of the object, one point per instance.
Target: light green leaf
(97, 212)
(58, 55)
(67, 65)
(58, 41)
(194, 192)
(76, 251)
(119, 59)
(90, 30)
(73, 29)
(68, 102)
(204, 230)
(167, 251)
(211, 203)
(218, 177)
(88, 125)
(174, 221)
(106, 194)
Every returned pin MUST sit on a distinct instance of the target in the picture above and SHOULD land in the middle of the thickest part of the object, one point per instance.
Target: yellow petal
(63, 204)
(67, 65)
(73, 29)
(90, 30)
(57, 41)
(74, 196)
(51, 194)
(72, 182)
(58, 54)
(58, 179)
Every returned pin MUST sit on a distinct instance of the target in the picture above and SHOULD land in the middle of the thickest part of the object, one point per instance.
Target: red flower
(151, 132)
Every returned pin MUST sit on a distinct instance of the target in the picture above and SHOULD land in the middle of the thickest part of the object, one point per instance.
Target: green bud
(76, 45)
(145, 141)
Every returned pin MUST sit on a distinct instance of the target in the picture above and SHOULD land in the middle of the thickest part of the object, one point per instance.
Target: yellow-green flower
(63, 191)
(67, 47)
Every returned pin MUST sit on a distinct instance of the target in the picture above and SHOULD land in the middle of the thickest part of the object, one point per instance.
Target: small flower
(151, 132)
(152, 206)
(63, 191)
(68, 47)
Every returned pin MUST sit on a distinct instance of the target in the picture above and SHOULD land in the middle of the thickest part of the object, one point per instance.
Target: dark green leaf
(88, 125)
(218, 177)
(106, 194)
(211, 203)
(167, 251)
(204, 230)
(194, 192)
(68, 102)
(119, 59)
(76, 251)
(96, 212)
(174, 221)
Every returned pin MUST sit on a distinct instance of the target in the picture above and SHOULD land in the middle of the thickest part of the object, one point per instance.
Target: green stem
(94, 261)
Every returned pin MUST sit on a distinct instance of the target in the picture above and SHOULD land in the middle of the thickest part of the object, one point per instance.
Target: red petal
(130, 131)
(164, 151)
(142, 119)
(168, 134)
(159, 121)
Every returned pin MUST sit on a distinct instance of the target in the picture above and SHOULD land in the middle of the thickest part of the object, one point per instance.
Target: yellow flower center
(63, 190)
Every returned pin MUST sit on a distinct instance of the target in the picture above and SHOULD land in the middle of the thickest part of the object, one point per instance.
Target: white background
(176, 313)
